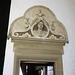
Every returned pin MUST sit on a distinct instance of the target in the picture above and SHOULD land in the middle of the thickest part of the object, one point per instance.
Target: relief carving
(39, 22)
(39, 27)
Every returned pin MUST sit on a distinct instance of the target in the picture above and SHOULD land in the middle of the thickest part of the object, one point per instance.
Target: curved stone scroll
(38, 22)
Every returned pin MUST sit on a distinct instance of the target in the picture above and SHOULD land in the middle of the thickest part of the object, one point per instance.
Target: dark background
(4, 19)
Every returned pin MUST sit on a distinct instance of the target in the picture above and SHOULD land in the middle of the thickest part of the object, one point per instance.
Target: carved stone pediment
(38, 22)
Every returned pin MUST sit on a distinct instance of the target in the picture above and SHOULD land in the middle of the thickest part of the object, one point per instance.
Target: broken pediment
(38, 22)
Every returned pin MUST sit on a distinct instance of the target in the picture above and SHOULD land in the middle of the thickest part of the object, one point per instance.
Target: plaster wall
(65, 13)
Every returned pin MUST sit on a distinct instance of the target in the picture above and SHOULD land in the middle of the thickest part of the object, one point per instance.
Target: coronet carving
(38, 22)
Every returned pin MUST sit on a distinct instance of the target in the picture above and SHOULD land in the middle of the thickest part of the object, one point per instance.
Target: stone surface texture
(38, 36)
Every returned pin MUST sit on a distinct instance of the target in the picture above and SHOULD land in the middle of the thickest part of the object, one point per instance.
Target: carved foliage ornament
(38, 22)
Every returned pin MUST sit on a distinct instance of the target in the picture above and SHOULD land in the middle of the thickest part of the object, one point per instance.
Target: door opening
(36, 68)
